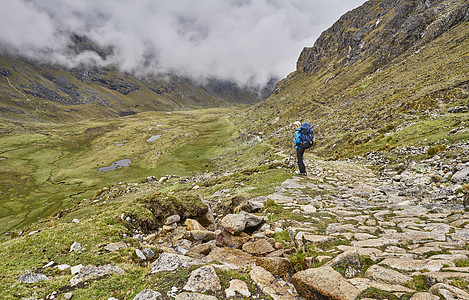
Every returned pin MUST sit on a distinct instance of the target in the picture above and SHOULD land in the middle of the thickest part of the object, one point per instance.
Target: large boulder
(323, 283)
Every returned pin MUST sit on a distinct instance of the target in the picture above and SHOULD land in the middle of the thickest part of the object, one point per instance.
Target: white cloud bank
(247, 41)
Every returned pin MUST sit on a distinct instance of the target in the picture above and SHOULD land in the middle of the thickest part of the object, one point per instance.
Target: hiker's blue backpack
(307, 136)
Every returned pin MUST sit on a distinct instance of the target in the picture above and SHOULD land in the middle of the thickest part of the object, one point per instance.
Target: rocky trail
(340, 233)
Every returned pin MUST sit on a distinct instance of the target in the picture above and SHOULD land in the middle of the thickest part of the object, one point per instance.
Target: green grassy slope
(45, 166)
(351, 106)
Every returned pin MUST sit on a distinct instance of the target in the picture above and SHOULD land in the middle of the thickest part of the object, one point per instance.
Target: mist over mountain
(248, 42)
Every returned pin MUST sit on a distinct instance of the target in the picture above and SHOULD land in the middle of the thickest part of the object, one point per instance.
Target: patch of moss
(418, 283)
(462, 263)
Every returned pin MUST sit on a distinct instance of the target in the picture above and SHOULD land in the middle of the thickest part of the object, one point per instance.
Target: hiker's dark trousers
(299, 156)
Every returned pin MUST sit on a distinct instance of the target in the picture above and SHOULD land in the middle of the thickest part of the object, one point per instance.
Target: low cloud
(247, 41)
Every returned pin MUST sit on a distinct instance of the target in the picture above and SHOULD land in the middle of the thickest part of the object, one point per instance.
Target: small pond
(153, 138)
(116, 165)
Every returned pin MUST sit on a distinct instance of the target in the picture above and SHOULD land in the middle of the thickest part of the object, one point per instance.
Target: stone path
(338, 233)
(355, 231)
(403, 236)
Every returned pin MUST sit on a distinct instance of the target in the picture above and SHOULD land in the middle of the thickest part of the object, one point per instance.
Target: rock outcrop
(382, 29)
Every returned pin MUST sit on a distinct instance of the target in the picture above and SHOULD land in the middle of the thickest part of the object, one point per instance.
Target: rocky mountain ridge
(382, 30)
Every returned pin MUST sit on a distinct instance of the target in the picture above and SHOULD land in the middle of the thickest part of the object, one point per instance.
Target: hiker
(303, 140)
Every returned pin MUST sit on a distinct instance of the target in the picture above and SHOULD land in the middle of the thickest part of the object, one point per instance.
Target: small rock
(457, 109)
(90, 272)
(115, 246)
(351, 272)
(140, 254)
(32, 278)
(75, 247)
(49, 264)
(194, 296)
(170, 262)
(323, 282)
(253, 206)
(349, 257)
(231, 257)
(198, 251)
(274, 265)
(172, 219)
(203, 235)
(63, 267)
(202, 280)
(168, 228)
(76, 269)
(443, 277)
(149, 253)
(424, 296)
(318, 239)
(193, 225)
(147, 295)
(225, 239)
(461, 176)
(385, 275)
(234, 223)
(308, 208)
(237, 288)
(449, 292)
(365, 283)
(68, 296)
(407, 264)
(269, 285)
(259, 247)
(363, 236)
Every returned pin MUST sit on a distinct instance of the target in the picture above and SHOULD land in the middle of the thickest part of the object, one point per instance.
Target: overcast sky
(247, 41)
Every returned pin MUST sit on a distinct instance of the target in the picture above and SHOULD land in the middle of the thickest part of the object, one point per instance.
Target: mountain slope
(44, 92)
(379, 67)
